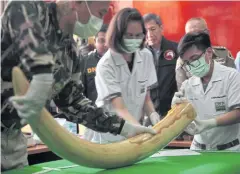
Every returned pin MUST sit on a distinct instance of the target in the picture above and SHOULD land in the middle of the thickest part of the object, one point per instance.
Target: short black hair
(151, 16)
(118, 27)
(103, 29)
(199, 39)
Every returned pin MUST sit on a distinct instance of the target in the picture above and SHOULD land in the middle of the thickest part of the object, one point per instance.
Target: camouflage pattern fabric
(30, 29)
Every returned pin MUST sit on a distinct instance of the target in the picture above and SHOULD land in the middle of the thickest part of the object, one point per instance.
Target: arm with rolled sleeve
(109, 92)
(229, 118)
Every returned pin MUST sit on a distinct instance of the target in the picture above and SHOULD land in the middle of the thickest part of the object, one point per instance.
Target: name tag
(220, 106)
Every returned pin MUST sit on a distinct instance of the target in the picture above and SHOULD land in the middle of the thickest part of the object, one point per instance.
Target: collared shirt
(165, 63)
(113, 79)
(222, 95)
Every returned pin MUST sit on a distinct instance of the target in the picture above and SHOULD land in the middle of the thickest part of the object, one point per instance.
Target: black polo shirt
(165, 63)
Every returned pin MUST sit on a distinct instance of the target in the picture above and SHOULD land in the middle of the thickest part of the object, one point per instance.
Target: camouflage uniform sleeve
(181, 74)
(78, 109)
(22, 20)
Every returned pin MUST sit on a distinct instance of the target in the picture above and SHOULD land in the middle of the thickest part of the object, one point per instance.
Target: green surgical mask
(90, 28)
(132, 45)
(199, 67)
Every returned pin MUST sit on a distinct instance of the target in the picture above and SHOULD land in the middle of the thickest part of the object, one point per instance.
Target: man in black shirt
(89, 64)
(165, 55)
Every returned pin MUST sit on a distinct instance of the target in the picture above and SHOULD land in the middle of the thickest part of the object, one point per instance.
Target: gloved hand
(130, 130)
(30, 105)
(178, 98)
(199, 126)
(155, 118)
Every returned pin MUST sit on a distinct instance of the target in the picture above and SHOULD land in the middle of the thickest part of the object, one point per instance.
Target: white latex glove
(130, 130)
(199, 126)
(31, 104)
(154, 117)
(178, 98)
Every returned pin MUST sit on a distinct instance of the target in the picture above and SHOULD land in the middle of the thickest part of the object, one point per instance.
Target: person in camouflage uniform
(221, 54)
(38, 37)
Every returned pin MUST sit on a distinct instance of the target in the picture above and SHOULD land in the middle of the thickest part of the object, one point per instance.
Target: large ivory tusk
(82, 152)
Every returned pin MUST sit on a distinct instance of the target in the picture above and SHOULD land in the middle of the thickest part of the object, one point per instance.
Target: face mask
(132, 45)
(199, 67)
(89, 29)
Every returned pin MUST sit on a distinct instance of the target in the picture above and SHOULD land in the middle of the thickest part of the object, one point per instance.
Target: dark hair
(151, 16)
(199, 39)
(118, 27)
(103, 29)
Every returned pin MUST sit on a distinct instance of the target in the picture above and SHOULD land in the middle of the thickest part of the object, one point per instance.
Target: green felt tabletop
(206, 163)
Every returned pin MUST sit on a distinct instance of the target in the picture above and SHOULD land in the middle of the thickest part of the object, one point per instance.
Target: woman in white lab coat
(125, 73)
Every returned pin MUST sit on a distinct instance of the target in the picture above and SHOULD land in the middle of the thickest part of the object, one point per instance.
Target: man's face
(192, 54)
(195, 26)
(78, 11)
(154, 33)
(100, 43)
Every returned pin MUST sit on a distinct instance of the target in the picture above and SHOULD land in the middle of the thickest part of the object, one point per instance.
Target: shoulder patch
(169, 55)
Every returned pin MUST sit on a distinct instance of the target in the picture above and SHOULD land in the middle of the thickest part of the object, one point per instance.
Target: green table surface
(206, 163)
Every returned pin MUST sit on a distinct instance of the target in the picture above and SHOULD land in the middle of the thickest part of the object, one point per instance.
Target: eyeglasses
(136, 36)
(195, 62)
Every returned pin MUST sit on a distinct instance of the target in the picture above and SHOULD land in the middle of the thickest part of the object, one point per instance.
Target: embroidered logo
(169, 55)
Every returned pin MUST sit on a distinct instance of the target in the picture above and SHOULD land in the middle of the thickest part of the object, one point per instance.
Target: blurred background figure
(165, 56)
(83, 46)
(89, 64)
(220, 53)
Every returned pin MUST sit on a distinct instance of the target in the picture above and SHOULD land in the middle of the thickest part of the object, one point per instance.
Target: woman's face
(134, 31)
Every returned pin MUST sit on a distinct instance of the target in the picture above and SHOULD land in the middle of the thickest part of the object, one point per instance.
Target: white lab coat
(221, 96)
(113, 77)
